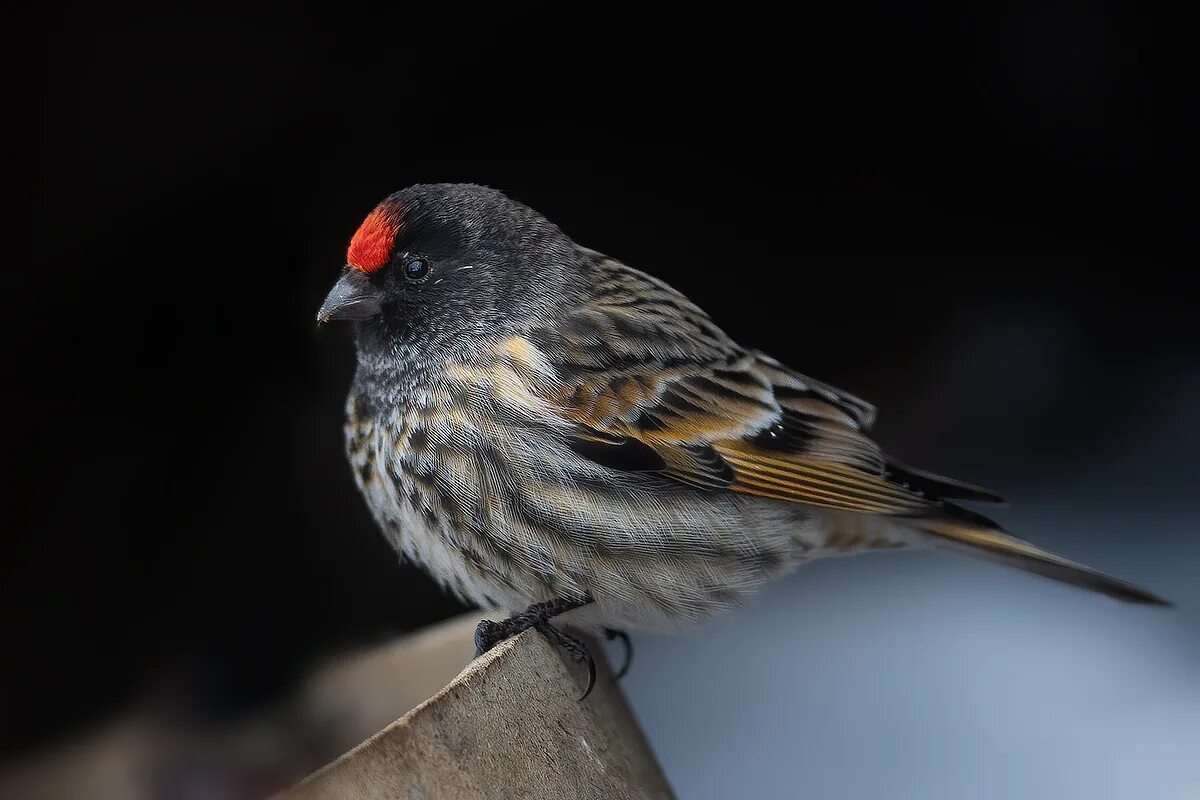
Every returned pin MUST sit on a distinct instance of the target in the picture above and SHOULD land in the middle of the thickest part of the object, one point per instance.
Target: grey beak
(351, 298)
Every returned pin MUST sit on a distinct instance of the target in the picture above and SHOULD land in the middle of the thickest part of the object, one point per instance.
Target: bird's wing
(652, 384)
(645, 381)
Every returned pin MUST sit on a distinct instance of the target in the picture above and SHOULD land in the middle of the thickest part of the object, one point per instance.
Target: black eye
(415, 268)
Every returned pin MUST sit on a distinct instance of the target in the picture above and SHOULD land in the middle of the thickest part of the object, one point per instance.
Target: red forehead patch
(371, 245)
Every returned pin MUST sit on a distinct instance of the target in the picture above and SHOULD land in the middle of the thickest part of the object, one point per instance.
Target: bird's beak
(353, 297)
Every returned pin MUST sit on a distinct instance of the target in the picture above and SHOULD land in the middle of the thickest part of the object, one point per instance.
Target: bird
(547, 430)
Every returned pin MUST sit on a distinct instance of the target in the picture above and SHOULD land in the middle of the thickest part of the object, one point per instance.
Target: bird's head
(444, 266)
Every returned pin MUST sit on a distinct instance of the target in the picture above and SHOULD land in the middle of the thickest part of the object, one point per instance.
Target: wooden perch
(509, 726)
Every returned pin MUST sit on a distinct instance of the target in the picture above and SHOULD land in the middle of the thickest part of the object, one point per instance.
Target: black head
(441, 266)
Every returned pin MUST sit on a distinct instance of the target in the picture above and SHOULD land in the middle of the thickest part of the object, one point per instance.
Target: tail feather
(977, 538)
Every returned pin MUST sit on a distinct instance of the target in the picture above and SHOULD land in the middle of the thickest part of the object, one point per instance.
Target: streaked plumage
(532, 420)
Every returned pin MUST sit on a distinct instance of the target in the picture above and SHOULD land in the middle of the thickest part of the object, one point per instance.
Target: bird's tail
(978, 536)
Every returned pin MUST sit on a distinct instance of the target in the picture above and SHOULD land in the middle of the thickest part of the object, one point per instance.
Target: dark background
(857, 191)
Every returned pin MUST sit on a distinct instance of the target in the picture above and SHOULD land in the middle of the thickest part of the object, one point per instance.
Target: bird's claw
(578, 651)
(611, 634)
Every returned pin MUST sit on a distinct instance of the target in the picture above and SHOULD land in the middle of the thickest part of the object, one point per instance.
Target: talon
(578, 650)
(610, 634)
(591, 665)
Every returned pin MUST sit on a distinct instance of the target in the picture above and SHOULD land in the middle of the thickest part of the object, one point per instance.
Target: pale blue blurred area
(932, 676)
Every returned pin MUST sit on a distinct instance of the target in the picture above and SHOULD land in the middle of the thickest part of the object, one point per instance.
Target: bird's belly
(420, 532)
(448, 557)
(501, 529)
(638, 577)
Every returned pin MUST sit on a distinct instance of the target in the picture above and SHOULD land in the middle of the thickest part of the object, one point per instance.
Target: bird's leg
(610, 634)
(488, 634)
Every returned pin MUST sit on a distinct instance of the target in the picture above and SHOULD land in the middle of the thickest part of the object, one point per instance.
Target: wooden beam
(509, 726)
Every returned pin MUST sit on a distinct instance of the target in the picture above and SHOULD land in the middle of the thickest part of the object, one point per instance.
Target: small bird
(547, 430)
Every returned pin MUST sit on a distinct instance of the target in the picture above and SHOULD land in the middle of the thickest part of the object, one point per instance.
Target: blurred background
(955, 212)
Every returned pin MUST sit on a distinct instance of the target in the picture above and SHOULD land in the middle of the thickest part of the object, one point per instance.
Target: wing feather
(650, 383)
(644, 370)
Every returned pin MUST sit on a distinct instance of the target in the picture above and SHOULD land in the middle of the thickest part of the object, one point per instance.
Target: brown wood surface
(508, 727)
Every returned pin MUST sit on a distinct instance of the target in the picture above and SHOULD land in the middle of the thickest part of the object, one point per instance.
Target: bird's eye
(415, 268)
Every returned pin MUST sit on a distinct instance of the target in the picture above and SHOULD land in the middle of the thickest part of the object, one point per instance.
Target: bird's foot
(488, 634)
(610, 634)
